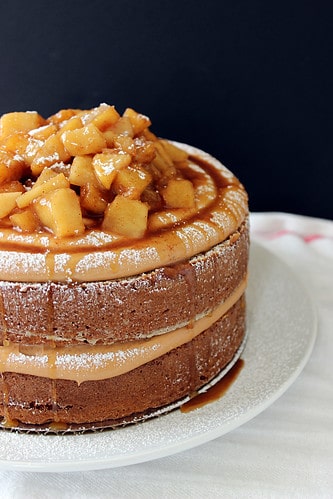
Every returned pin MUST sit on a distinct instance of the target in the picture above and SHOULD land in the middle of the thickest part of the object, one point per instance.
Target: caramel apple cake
(123, 268)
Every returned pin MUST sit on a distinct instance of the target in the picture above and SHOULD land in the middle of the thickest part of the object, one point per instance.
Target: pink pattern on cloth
(272, 226)
(307, 238)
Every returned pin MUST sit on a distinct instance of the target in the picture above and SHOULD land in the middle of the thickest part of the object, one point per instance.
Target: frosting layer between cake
(86, 363)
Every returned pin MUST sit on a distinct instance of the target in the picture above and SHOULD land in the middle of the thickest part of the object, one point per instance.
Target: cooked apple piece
(12, 186)
(179, 193)
(24, 145)
(72, 124)
(43, 132)
(46, 174)
(144, 151)
(62, 116)
(59, 210)
(127, 217)
(61, 167)
(19, 122)
(81, 171)
(107, 164)
(85, 140)
(106, 118)
(88, 115)
(131, 182)
(149, 135)
(109, 136)
(25, 220)
(92, 199)
(138, 121)
(124, 143)
(7, 202)
(52, 151)
(162, 159)
(173, 151)
(123, 127)
(41, 188)
(11, 167)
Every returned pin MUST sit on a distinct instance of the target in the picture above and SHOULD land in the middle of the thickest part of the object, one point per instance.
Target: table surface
(286, 451)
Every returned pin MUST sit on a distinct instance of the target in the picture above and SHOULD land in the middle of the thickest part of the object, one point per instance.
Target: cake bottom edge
(42, 405)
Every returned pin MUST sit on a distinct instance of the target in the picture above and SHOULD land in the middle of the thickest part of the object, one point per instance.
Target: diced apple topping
(7, 202)
(40, 189)
(59, 210)
(81, 170)
(179, 193)
(86, 140)
(25, 220)
(11, 123)
(127, 217)
(107, 164)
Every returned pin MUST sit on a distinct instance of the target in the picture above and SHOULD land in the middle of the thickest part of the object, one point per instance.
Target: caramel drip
(216, 391)
(85, 363)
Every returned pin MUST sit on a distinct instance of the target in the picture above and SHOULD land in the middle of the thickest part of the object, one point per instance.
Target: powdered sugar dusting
(22, 263)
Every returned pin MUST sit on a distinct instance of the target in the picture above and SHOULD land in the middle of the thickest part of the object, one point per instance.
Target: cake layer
(181, 372)
(85, 363)
(100, 255)
(127, 309)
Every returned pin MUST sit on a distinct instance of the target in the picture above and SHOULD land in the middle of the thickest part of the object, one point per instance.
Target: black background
(248, 81)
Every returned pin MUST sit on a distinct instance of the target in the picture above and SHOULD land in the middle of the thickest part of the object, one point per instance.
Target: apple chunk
(131, 182)
(82, 172)
(52, 151)
(19, 122)
(86, 140)
(59, 210)
(25, 220)
(107, 164)
(179, 193)
(7, 202)
(40, 188)
(127, 217)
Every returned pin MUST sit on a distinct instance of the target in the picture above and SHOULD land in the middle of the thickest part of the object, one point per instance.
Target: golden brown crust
(158, 383)
(60, 313)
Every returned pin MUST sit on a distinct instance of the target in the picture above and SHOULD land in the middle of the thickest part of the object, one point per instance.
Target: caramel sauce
(216, 391)
(98, 255)
(7, 422)
(58, 426)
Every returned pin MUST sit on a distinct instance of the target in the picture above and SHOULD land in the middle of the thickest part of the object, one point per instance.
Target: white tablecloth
(286, 451)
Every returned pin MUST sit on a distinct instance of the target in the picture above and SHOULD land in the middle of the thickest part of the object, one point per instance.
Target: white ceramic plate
(282, 330)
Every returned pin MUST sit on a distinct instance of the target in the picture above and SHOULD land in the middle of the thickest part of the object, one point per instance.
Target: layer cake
(123, 267)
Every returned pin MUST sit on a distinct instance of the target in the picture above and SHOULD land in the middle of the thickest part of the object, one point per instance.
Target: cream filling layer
(90, 363)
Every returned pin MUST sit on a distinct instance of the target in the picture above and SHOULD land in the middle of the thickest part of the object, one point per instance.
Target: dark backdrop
(248, 81)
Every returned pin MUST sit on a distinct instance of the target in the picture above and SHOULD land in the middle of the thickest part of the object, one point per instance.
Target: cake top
(93, 194)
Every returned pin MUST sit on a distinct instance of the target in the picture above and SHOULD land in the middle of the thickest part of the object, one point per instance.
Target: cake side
(130, 397)
(125, 309)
